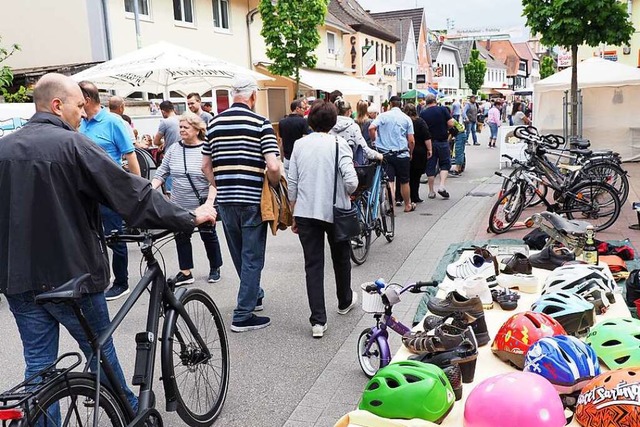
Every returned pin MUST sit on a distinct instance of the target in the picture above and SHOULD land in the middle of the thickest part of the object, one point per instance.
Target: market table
(489, 365)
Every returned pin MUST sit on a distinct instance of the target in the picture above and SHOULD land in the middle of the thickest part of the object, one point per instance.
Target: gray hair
(430, 99)
(195, 121)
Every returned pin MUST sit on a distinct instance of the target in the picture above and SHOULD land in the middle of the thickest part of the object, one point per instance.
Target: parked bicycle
(373, 344)
(194, 356)
(375, 209)
(591, 201)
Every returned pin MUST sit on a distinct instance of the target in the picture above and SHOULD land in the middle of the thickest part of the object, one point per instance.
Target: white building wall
(450, 80)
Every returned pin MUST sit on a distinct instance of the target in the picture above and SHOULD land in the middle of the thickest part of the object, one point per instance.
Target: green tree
(571, 23)
(547, 67)
(6, 76)
(289, 28)
(474, 71)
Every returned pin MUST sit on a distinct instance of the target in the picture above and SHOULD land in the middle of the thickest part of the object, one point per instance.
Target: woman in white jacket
(348, 129)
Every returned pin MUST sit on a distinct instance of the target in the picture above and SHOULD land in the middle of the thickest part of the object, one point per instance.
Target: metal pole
(401, 61)
(136, 18)
(564, 114)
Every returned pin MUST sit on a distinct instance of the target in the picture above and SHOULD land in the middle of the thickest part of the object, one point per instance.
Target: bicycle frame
(371, 197)
(162, 298)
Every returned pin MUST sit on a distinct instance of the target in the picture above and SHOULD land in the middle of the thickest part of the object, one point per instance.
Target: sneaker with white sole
(477, 286)
(318, 330)
(354, 301)
(115, 292)
(184, 279)
(476, 265)
(527, 283)
(252, 323)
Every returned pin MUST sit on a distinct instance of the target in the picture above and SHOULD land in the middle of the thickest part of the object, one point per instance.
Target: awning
(505, 92)
(329, 81)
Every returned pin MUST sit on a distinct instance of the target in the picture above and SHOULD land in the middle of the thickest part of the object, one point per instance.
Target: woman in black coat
(421, 151)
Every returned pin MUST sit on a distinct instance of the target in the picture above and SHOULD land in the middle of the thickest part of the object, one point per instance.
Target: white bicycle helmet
(570, 278)
(574, 313)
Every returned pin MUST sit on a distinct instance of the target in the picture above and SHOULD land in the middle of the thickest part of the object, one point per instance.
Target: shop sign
(389, 71)
(610, 55)
(564, 60)
(368, 61)
(421, 78)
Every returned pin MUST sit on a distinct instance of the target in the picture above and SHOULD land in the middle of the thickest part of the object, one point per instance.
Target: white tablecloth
(489, 365)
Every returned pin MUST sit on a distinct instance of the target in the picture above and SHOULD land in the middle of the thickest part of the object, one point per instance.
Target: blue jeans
(111, 220)
(39, 327)
(470, 129)
(494, 130)
(247, 240)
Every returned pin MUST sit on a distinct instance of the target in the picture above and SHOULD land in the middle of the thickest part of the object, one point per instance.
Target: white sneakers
(318, 330)
(477, 265)
(474, 286)
(527, 283)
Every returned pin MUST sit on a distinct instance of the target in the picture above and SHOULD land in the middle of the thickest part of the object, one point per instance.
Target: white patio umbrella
(162, 67)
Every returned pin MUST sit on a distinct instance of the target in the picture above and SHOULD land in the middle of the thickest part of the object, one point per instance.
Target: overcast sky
(478, 14)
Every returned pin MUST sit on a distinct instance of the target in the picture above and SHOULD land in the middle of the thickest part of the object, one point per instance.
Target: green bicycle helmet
(617, 342)
(409, 389)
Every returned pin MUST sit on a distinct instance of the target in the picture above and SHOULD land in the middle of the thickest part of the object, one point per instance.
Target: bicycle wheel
(69, 402)
(200, 382)
(531, 196)
(506, 210)
(594, 202)
(370, 360)
(359, 249)
(607, 173)
(387, 213)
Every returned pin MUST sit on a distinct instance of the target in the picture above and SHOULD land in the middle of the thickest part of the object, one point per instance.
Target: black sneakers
(184, 279)
(252, 323)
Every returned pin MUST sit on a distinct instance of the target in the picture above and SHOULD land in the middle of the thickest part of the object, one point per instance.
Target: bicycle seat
(580, 143)
(581, 152)
(565, 225)
(73, 290)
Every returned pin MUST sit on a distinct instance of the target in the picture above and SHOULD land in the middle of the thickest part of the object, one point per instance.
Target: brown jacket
(274, 205)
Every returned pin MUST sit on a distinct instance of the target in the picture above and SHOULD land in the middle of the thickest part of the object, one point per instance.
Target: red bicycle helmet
(519, 332)
(610, 400)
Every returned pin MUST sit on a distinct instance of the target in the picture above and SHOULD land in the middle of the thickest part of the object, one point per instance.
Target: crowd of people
(67, 161)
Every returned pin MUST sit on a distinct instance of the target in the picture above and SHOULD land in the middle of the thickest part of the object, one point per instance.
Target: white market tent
(611, 105)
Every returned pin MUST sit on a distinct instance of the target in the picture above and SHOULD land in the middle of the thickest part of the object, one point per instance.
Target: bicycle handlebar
(138, 238)
(416, 288)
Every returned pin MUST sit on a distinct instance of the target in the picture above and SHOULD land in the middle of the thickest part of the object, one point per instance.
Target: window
(221, 14)
(222, 100)
(143, 7)
(377, 52)
(331, 43)
(391, 61)
(183, 11)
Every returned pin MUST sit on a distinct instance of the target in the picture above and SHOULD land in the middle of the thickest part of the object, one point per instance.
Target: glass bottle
(590, 251)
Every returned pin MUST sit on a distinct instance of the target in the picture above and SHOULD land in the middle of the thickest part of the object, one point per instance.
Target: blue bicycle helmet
(565, 361)
(573, 312)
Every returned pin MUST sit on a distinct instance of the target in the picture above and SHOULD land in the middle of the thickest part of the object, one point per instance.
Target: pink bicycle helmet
(525, 400)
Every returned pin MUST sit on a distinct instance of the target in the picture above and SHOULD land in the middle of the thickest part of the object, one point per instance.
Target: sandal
(506, 299)
(412, 207)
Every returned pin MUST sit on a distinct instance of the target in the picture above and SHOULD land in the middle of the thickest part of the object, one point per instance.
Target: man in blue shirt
(439, 121)
(395, 142)
(109, 132)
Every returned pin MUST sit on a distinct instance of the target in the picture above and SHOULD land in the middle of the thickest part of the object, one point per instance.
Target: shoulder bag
(201, 200)
(345, 221)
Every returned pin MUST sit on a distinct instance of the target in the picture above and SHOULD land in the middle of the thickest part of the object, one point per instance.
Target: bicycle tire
(387, 213)
(572, 205)
(360, 245)
(531, 199)
(498, 225)
(607, 173)
(182, 350)
(370, 361)
(71, 387)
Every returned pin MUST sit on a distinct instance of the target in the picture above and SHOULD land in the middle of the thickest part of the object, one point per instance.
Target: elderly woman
(183, 162)
(312, 177)
(348, 129)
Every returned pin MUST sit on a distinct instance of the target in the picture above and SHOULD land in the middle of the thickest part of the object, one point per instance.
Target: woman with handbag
(183, 162)
(321, 178)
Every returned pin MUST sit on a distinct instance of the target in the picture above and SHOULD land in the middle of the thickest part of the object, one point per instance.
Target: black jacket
(52, 180)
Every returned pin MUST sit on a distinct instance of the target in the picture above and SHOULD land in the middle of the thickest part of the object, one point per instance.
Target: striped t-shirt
(237, 141)
(173, 164)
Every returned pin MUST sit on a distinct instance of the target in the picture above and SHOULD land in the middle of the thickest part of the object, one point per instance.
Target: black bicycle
(194, 356)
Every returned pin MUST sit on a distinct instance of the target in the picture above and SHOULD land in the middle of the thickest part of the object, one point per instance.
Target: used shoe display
(468, 310)
(443, 338)
(549, 258)
(476, 265)
(527, 283)
(478, 286)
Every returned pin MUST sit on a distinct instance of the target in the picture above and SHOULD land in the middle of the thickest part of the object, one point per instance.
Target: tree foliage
(571, 23)
(289, 28)
(547, 67)
(21, 95)
(474, 71)
(6, 76)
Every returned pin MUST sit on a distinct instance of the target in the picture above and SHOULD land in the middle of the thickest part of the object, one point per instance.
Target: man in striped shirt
(240, 146)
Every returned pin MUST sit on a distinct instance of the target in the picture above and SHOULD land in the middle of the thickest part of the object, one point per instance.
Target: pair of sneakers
(187, 279)
(318, 330)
